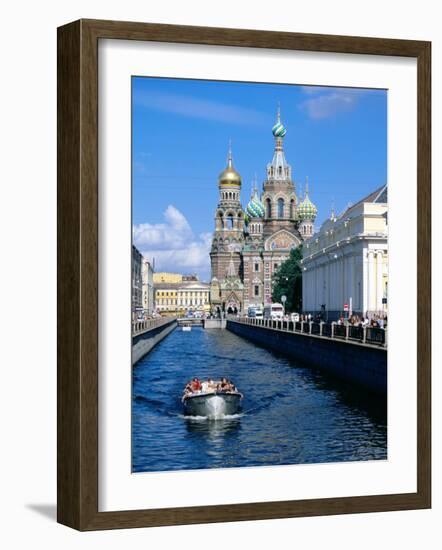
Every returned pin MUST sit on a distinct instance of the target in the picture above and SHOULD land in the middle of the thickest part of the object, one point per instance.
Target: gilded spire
(229, 155)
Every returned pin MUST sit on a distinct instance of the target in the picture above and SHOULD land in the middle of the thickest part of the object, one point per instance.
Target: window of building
(292, 209)
(275, 266)
(269, 208)
(256, 290)
(280, 208)
(230, 222)
(256, 267)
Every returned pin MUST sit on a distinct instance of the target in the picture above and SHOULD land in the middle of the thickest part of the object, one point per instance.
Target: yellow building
(166, 298)
(165, 277)
(176, 299)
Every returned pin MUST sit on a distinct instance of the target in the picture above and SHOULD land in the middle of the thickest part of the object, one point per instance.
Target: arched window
(230, 221)
(280, 208)
(292, 209)
(269, 208)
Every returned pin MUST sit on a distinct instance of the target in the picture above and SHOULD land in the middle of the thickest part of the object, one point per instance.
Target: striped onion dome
(255, 208)
(306, 209)
(279, 130)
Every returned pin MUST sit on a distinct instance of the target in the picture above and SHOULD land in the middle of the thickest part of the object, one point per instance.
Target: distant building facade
(179, 298)
(148, 296)
(249, 246)
(345, 264)
(137, 283)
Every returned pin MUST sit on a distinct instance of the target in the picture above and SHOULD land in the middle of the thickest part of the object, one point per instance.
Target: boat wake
(216, 417)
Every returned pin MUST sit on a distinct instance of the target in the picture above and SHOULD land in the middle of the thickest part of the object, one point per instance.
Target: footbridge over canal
(354, 354)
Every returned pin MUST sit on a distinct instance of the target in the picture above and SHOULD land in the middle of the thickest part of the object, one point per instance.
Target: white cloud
(174, 245)
(195, 107)
(327, 102)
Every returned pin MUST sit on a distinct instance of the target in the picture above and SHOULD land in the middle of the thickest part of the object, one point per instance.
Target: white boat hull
(212, 405)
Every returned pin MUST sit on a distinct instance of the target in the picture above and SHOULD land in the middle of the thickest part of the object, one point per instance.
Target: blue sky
(181, 130)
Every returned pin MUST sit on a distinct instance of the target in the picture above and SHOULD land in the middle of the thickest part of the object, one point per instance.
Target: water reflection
(212, 428)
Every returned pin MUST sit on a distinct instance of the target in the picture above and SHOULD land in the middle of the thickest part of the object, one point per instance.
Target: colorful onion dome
(229, 176)
(279, 130)
(255, 208)
(306, 209)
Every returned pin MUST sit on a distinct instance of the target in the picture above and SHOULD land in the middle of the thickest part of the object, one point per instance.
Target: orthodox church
(249, 245)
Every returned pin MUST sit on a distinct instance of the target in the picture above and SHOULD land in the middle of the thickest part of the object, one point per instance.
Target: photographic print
(259, 274)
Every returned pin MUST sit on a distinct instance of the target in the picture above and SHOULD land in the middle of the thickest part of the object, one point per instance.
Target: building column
(379, 290)
(350, 282)
(371, 282)
(364, 304)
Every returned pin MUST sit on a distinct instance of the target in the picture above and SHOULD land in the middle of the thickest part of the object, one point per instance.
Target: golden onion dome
(229, 176)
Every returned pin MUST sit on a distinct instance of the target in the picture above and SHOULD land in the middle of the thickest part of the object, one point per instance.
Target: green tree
(287, 281)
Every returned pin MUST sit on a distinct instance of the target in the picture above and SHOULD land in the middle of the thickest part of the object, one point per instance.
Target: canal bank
(361, 364)
(148, 334)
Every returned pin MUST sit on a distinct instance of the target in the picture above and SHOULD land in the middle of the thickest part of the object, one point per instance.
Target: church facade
(250, 244)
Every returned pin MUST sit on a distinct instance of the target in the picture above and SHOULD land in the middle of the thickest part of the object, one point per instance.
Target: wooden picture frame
(78, 274)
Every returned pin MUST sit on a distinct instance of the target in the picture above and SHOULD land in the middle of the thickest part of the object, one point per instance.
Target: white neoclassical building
(148, 292)
(346, 263)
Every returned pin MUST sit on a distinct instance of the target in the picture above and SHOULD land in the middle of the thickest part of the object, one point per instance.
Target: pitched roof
(380, 195)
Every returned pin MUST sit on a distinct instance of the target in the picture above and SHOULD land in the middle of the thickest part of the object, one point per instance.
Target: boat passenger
(208, 386)
(223, 386)
(195, 385)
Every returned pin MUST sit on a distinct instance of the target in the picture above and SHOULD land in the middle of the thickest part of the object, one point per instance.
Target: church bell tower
(228, 239)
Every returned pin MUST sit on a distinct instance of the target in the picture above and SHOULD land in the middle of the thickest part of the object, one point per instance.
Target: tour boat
(213, 404)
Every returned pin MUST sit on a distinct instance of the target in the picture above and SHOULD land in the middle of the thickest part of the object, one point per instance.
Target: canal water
(292, 414)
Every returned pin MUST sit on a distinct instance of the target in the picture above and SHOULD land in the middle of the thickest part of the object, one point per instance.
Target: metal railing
(375, 335)
(339, 331)
(315, 328)
(355, 333)
(138, 327)
(345, 332)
